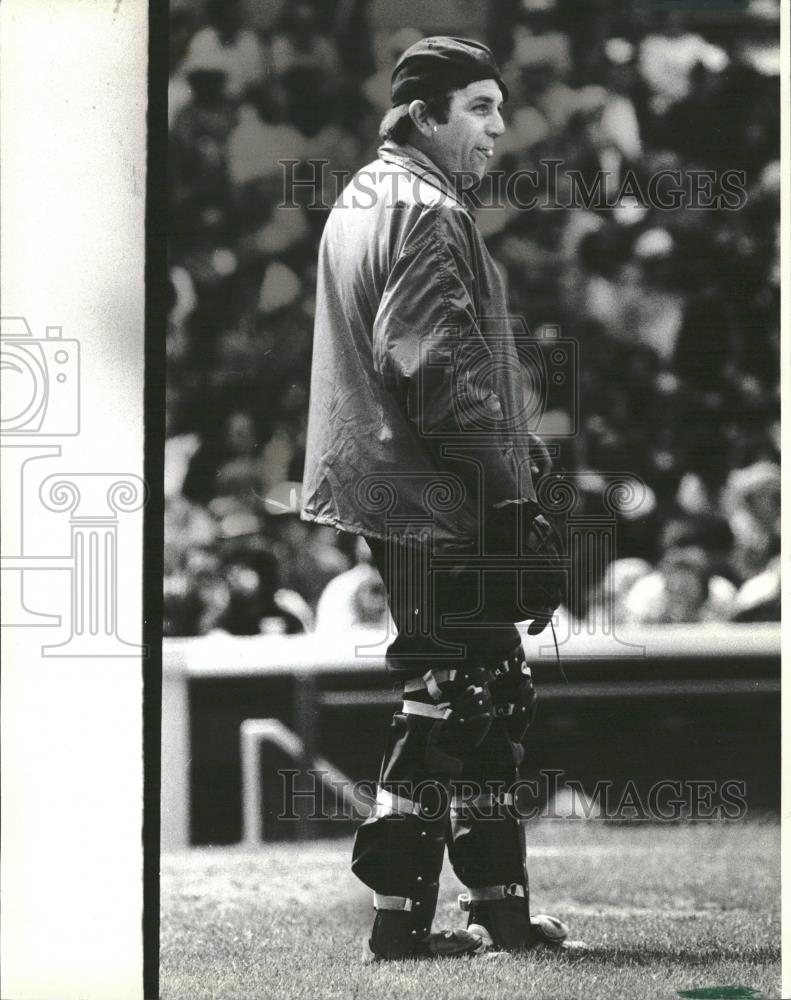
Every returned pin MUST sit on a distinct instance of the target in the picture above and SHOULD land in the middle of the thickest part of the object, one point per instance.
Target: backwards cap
(441, 63)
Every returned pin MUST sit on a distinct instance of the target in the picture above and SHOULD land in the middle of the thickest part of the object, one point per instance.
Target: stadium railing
(660, 661)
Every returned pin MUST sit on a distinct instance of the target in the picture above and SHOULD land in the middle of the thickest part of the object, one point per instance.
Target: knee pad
(460, 701)
(486, 843)
(398, 850)
(514, 694)
(471, 710)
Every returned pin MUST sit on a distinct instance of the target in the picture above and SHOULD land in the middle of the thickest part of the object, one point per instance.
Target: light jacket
(419, 411)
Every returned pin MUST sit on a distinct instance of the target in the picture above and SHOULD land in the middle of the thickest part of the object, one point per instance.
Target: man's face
(466, 141)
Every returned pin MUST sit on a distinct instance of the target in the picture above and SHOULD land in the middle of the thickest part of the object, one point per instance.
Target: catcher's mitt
(520, 529)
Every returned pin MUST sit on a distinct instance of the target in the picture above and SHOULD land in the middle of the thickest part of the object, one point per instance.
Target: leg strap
(490, 893)
(430, 681)
(514, 664)
(461, 807)
(392, 902)
(388, 804)
(441, 711)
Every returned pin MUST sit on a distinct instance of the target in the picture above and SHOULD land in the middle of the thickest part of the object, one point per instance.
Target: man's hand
(540, 459)
(546, 587)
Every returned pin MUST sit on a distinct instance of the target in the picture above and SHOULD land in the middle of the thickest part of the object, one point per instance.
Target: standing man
(418, 440)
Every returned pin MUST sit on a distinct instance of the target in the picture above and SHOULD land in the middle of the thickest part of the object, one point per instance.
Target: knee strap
(392, 902)
(431, 681)
(513, 665)
(490, 894)
(441, 711)
(461, 807)
(464, 715)
(388, 804)
(514, 694)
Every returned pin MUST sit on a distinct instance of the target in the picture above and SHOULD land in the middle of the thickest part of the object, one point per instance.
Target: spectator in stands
(356, 598)
(549, 101)
(182, 27)
(300, 41)
(752, 501)
(619, 122)
(257, 606)
(229, 46)
(187, 526)
(676, 313)
(758, 599)
(200, 132)
(229, 466)
(197, 598)
(653, 309)
(595, 146)
(308, 558)
(683, 589)
(669, 56)
(690, 124)
(536, 39)
(607, 604)
(241, 474)
(263, 134)
(283, 455)
(182, 608)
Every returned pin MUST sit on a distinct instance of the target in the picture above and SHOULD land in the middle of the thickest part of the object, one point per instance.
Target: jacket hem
(334, 522)
(358, 529)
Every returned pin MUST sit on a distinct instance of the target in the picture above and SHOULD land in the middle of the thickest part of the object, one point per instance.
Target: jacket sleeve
(429, 350)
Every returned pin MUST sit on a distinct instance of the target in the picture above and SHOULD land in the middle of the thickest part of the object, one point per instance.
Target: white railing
(309, 657)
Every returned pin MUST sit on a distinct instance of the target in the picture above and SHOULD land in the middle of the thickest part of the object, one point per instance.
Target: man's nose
(496, 125)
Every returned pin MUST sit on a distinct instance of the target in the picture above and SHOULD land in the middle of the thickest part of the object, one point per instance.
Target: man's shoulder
(388, 185)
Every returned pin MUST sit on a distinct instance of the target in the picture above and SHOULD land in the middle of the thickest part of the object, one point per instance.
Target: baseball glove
(521, 529)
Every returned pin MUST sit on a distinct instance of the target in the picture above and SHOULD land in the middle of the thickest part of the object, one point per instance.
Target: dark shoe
(501, 916)
(393, 937)
(549, 930)
(451, 944)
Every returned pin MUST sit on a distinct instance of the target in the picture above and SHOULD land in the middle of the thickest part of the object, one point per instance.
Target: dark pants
(456, 621)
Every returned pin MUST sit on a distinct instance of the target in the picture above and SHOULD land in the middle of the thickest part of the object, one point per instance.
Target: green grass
(662, 909)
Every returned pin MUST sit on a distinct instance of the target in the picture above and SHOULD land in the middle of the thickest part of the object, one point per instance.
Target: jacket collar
(418, 163)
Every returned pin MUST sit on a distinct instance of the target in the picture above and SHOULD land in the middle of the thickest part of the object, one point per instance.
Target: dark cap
(439, 64)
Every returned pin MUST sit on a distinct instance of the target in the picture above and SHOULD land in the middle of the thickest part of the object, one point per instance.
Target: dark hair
(397, 123)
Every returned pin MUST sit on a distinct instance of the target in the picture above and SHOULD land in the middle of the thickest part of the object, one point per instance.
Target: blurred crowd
(674, 310)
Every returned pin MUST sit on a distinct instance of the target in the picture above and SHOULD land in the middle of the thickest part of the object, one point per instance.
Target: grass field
(662, 909)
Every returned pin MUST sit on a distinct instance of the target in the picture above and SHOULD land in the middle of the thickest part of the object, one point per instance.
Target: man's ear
(422, 120)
